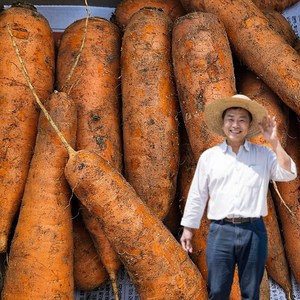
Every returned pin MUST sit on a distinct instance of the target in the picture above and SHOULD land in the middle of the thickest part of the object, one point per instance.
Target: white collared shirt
(235, 184)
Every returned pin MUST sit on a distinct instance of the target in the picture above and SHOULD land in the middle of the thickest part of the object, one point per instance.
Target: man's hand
(186, 239)
(268, 128)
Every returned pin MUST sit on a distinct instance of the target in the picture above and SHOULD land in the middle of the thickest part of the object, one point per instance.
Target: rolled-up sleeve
(197, 197)
(280, 174)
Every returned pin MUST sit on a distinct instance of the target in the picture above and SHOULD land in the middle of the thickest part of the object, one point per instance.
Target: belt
(239, 220)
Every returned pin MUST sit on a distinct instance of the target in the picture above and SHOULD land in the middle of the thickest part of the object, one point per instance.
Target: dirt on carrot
(18, 111)
(149, 109)
(40, 262)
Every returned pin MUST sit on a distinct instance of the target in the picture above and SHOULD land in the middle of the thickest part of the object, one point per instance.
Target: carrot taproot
(286, 197)
(276, 265)
(18, 111)
(126, 8)
(108, 256)
(155, 261)
(150, 127)
(251, 85)
(281, 25)
(203, 70)
(259, 47)
(99, 124)
(89, 272)
(40, 263)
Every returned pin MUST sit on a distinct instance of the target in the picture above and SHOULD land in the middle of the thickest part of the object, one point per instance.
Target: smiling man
(233, 179)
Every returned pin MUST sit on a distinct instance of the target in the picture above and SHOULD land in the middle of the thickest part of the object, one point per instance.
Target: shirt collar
(224, 146)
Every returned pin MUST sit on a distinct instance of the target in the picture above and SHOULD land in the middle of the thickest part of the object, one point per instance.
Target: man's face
(236, 124)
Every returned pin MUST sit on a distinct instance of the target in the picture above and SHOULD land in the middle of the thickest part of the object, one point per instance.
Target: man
(235, 176)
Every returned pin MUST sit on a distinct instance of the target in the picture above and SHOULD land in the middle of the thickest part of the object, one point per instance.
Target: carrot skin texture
(89, 272)
(150, 127)
(126, 8)
(99, 127)
(18, 111)
(155, 261)
(40, 261)
(290, 193)
(203, 71)
(259, 47)
(276, 265)
(98, 69)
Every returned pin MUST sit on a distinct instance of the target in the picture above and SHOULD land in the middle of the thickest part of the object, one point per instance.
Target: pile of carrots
(100, 131)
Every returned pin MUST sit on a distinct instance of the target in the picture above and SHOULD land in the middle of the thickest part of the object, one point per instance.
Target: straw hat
(214, 110)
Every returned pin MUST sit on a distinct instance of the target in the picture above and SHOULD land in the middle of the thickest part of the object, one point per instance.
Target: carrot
(252, 86)
(99, 70)
(150, 127)
(126, 8)
(40, 261)
(281, 25)
(288, 202)
(108, 256)
(18, 111)
(98, 107)
(203, 71)
(259, 47)
(278, 5)
(277, 265)
(155, 261)
(89, 272)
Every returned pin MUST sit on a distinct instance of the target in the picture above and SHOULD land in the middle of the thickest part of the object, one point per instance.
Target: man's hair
(236, 107)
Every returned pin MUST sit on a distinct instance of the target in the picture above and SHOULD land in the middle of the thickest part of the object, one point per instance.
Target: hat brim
(214, 110)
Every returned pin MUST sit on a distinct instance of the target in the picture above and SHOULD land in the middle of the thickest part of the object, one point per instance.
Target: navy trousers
(228, 245)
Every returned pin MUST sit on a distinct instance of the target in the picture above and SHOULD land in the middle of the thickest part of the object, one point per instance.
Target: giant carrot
(99, 106)
(278, 5)
(18, 111)
(281, 25)
(286, 200)
(108, 256)
(150, 128)
(98, 69)
(40, 263)
(126, 8)
(277, 265)
(154, 259)
(203, 71)
(89, 272)
(259, 46)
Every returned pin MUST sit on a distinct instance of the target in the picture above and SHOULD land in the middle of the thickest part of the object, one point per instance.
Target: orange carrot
(281, 25)
(288, 203)
(98, 69)
(126, 8)
(108, 256)
(259, 47)
(155, 261)
(277, 265)
(150, 128)
(278, 5)
(18, 111)
(98, 107)
(89, 272)
(40, 263)
(203, 72)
